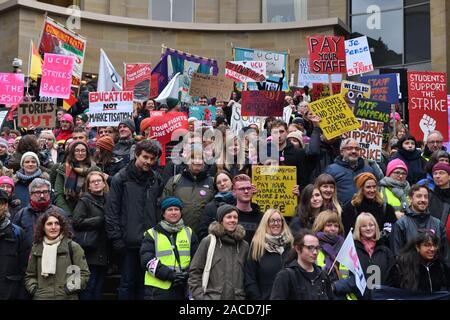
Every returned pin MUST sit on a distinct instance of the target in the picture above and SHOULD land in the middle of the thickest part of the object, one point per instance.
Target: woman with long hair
(268, 250)
(70, 176)
(89, 225)
(105, 159)
(328, 189)
(368, 199)
(308, 209)
(49, 146)
(53, 259)
(419, 267)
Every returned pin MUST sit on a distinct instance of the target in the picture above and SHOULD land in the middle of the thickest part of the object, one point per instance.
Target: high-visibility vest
(391, 199)
(165, 254)
(343, 271)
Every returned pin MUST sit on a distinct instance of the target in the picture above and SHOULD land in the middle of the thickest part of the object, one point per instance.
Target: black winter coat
(294, 283)
(259, 276)
(13, 264)
(439, 203)
(89, 214)
(131, 205)
(210, 215)
(414, 162)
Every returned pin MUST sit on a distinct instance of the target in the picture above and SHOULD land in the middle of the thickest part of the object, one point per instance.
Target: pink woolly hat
(395, 164)
(7, 180)
(67, 117)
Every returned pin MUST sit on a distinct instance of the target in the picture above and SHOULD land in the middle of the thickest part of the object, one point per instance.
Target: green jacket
(54, 287)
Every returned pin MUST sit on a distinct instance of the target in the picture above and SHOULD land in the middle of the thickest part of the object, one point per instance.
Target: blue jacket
(344, 176)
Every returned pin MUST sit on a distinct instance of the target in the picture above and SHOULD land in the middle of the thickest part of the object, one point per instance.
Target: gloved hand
(180, 279)
(119, 247)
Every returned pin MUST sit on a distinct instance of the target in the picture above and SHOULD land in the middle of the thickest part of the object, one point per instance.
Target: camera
(17, 63)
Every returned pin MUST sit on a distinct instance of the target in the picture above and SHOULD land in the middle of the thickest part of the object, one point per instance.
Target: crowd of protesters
(93, 199)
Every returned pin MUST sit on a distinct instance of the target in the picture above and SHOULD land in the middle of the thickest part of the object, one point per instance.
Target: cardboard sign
(207, 114)
(56, 76)
(322, 90)
(306, 78)
(427, 95)
(37, 115)
(326, 54)
(55, 38)
(337, 118)
(137, 79)
(383, 87)
(357, 54)
(263, 103)
(353, 90)
(211, 86)
(3, 115)
(110, 108)
(246, 71)
(275, 185)
(369, 137)
(372, 110)
(11, 88)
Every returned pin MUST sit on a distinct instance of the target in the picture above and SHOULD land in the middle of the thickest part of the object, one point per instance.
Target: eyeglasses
(82, 151)
(429, 245)
(400, 173)
(435, 142)
(312, 248)
(275, 221)
(244, 189)
(96, 181)
(352, 148)
(38, 193)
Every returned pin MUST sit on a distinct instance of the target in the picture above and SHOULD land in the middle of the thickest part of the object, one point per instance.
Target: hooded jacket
(226, 279)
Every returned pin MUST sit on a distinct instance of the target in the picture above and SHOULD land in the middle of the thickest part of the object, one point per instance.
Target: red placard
(427, 94)
(262, 103)
(322, 90)
(326, 54)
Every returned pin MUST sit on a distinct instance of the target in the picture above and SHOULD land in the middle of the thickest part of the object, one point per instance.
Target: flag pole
(335, 259)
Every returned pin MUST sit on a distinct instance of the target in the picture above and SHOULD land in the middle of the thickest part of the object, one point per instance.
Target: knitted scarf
(49, 256)
(75, 176)
(4, 223)
(226, 197)
(275, 244)
(369, 245)
(172, 228)
(330, 246)
(22, 176)
(399, 189)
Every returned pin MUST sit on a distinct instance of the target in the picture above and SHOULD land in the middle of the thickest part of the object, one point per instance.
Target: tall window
(172, 10)
(284, 10)
(398, 31)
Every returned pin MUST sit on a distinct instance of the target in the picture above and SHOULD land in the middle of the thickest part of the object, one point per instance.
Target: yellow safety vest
(391, 199)
(165, 254)
(343, 271)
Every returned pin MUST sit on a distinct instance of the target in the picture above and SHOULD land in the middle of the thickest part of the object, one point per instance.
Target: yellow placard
(352, 90)
(337, 118)
(275, 185)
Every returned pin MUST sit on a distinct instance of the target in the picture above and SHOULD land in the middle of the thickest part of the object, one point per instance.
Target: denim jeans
(131, 276)
(94, 287)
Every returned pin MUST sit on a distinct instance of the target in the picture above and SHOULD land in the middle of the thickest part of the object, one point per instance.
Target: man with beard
(122, 149)
(346, 167)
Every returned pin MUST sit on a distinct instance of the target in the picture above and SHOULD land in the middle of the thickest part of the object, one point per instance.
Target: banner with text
(246, 71)
(275, 185)
(238, 121)
(337, 118)
(369, 137)
(326, 54)
(56, 76)
(427, 95)
(383, 87)
(137, 79)
(207, 114)
(306, 78)
(110, 108)
(322, 90)
(11, 88)
(357, 55)
(37, 115)
(354, 90)
(372, 110)
(263, 103)
(211, 86)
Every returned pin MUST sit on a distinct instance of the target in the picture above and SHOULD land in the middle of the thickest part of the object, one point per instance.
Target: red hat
(441, 166)
(106, 143)
(145, 124)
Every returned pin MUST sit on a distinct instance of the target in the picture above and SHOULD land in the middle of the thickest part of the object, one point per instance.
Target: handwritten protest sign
(238, 121)
(383, 87)
(168, 127)
(427, 94)
(372, 110)
(322, 90)
(207, 114)
(326, 54)
(3, 115)
(275, 185)
(263, 103)
(110, 108)
(137, 79)
(357, 54)
(353, 90)
(246, 71)
(337, 118)
(11, 88)
(370, 138)
(56, 76)
(211, 86)
(37, 115)
(306, 78)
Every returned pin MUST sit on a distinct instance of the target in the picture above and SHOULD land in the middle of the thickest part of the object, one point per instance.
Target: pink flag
(56, 76)
(11, 88)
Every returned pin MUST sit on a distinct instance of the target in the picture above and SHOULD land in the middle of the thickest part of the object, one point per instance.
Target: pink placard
(56, 76)
(11, 88)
